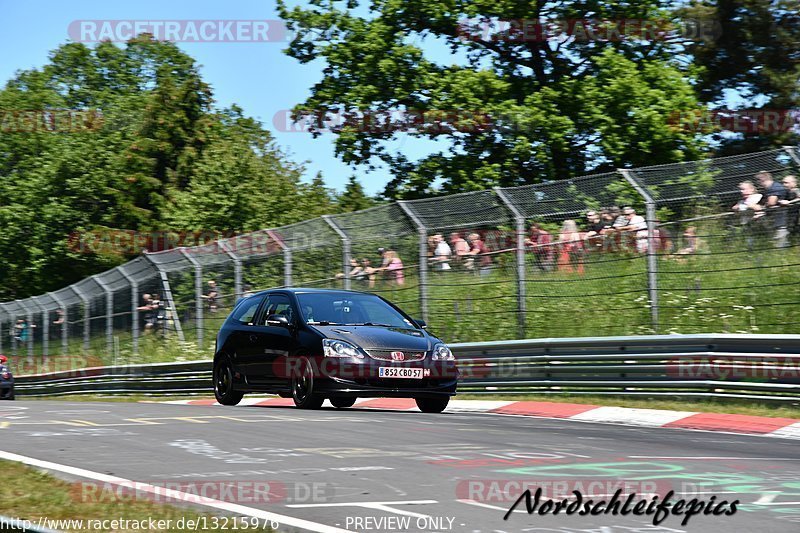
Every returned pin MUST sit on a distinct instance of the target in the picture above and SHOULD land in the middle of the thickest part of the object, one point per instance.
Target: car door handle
(253, 338)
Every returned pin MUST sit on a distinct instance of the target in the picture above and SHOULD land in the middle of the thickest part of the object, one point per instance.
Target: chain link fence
(679, 248)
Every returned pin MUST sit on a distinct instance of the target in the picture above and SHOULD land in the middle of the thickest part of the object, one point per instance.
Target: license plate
(399, 372)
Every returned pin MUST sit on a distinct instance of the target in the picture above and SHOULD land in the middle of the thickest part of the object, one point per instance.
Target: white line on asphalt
(176, 495)
(715, 458)
(378, 506)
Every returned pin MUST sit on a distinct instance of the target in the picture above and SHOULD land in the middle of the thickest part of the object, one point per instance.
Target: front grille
(386, 355)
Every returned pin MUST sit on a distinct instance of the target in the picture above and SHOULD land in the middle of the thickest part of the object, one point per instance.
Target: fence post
(168, 295)
(519, 220)
(423, 258)
(86, 324)
(109, 315)
(134, 309)
(652, 257)
(237, 271)
(287, 258)
(45, 325)
(345, 247)
(198, 295)
(793, 154)
(64, 323)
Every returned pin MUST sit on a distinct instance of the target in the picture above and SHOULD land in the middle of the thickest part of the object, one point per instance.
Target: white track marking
(377, 506)
(792, 431)
(636, 417)
(714, 458)
(176, 495)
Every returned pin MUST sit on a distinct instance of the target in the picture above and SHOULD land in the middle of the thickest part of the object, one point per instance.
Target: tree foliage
(160, 157)
(556, 108)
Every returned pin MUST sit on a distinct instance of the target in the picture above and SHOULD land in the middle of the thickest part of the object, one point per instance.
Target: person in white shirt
(636, 223)
(441, 253)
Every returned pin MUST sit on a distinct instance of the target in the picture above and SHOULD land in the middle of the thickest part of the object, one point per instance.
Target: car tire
(432, 405)
(223, 383)
(343, 402)
(303, 387)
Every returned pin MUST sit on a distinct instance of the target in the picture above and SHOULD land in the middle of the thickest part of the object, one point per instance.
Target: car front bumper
(343, 377)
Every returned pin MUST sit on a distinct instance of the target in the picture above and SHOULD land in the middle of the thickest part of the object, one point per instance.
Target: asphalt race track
(370, 470)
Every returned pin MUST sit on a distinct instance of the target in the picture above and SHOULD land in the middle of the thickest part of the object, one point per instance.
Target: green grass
(27, 493)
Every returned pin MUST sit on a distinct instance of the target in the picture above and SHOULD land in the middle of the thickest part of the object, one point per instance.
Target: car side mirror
(421, 323)
(278, 320)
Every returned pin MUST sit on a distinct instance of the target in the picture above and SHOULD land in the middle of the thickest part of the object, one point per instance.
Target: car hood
(376, 337)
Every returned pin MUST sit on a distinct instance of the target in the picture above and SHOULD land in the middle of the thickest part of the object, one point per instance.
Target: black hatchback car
(6, 380)
(313, 344)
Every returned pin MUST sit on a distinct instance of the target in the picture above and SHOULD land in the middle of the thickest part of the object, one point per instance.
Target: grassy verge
(701, 405)
(29, 494)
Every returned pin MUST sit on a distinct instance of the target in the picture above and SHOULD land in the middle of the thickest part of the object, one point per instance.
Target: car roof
(302, 290)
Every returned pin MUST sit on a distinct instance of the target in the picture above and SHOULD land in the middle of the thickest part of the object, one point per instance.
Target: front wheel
(432, 405)
(223, 383)
(303, 387)
(343, 402)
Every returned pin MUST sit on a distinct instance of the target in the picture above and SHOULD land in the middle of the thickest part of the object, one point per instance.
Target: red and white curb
(788, 428)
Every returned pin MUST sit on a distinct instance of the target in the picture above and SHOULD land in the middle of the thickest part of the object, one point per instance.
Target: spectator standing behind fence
(480, 253)
(392, 266)
(150, 309)
(460, 249)
(774, 192)
(636, 226)
(23, 330)
(212, 296)
(791, 203)
(749, 205)
(570, 248)
(689, 242)
(441, 253)
(541, 243)
(594, 230)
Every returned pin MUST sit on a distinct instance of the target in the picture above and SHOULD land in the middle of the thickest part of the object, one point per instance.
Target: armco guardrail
(758, 367)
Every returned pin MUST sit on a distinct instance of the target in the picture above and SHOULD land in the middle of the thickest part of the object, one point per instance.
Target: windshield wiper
(370, 324)
(324, 323)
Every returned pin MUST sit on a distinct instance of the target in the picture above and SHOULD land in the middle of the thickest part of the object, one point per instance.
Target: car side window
(278, 304)
(247, 310)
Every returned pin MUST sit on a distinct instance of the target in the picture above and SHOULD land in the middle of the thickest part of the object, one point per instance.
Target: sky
(259, 77)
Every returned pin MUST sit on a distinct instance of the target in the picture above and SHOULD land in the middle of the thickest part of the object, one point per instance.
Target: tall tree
(549, 115)
(354, 198)
(157, 156)
(756, 55)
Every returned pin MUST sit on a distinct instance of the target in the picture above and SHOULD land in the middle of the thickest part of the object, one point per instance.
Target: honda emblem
(398, 356)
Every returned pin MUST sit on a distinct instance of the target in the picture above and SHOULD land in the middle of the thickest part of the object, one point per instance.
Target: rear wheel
(303, 387)
(343, 402)
(432, 405)
(223, 383)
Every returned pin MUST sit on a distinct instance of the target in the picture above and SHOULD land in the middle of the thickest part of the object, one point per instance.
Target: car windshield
(350, 309)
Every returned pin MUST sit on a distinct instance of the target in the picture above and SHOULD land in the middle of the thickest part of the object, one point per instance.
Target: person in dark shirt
(774, 192)
(792, 202)
(594, 230)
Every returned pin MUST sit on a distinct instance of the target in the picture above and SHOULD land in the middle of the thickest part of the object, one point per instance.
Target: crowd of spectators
(773, 212)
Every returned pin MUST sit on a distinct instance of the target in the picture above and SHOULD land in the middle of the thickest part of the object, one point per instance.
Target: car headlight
(442, 353)
(336, 348)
